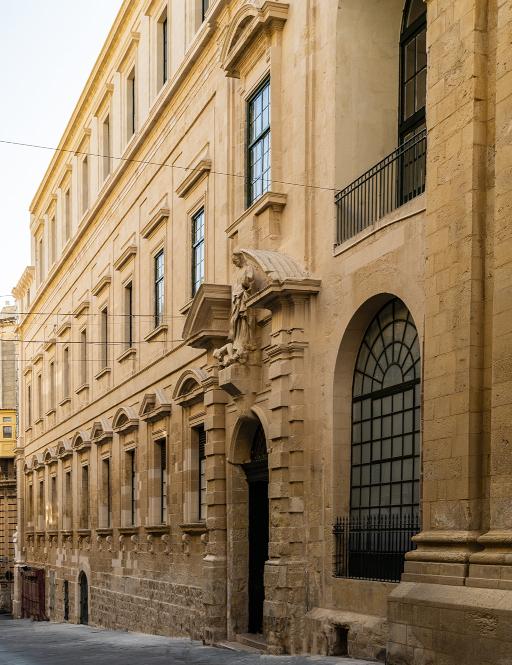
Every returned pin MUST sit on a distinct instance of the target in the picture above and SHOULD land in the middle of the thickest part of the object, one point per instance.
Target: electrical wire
(170, 166)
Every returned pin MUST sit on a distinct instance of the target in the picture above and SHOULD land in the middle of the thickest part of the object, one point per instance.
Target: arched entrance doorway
(84, 599)
(256, 472)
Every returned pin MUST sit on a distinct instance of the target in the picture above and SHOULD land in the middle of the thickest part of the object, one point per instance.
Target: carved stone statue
(242, 328)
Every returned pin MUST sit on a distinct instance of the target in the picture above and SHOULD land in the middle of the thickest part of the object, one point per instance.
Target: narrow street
(23, 642)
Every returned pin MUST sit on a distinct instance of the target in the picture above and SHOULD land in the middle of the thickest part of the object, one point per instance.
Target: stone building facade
(8, 508)
(252, 318)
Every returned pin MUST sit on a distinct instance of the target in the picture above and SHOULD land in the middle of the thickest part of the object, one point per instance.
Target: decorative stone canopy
(64, 449)
(280, 275)
(125, 420)
(27, 467)
(189, 389)
(155, 405)
(50, 455)
(37, 461)
(81, 440)
(246, 22)
(207, 322)
(101, 431)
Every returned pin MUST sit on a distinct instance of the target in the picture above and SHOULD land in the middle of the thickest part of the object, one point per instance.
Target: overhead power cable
(170, 166)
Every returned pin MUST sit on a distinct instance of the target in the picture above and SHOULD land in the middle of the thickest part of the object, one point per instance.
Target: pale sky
(47, 51)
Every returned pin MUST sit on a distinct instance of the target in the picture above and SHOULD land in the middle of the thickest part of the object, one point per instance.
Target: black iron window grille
(392, 182)
(259, 144)
(373, 547)
(202, 472)
(197, 251)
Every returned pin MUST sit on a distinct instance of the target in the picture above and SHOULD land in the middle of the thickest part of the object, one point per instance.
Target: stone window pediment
(189, 389)
(101, 431)
(81, 440)
(125, 420)
(244, 26)
(64, 449)
(37, 461)
(155, 405)
(50, 455)
(28, 467)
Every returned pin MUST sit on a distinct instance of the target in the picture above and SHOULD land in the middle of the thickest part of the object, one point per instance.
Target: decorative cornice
(66, 325)
(156, 219)
(107, 94)
(84, 305)
(24, 283)
(102, 284)
(197, 171)
(128, 254)
(129, 51)
(51, 342)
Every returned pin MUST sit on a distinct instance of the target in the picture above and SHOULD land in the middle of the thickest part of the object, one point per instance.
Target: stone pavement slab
(23, 642)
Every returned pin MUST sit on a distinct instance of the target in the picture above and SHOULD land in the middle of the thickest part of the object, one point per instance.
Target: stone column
(215, 561)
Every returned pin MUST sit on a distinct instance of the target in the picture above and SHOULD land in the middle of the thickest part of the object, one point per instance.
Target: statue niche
(242, 324)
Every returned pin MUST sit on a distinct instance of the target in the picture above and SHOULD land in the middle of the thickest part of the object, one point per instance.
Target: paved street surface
(23, 642)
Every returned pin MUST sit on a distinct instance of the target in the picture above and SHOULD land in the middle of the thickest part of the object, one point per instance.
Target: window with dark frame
(85, 185)
(131, 457)
(83, 350)
(53, 241)
(258, 143)
(386, 417)
(65, 371)
(413, 70)
(7, 431)
(128, 304)
(163, 481)
(104, 338)
(159, 288)
(197, 251)
(106, 147)
(202, 471)
(85, 498)
(52, 385)
(67, 212)
(164, 50)
(39, 396)
(206, 6)
(29, 405)
(68, 500)
(132, 104)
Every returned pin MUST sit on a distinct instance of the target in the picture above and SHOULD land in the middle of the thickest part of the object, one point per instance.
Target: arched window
(386, 416)
(413, 69)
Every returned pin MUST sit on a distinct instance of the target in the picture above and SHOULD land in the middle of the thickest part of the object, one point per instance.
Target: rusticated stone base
(337, 633)
(438, 624)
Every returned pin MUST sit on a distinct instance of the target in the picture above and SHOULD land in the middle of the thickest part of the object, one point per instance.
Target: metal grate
(392, 182)
(374, 547)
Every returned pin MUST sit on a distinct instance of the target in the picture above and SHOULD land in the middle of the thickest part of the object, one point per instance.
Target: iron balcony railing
(373, 548)
(389, 184)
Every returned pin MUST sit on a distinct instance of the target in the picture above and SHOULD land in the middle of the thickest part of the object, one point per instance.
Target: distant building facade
(265, 338)
(7, 454)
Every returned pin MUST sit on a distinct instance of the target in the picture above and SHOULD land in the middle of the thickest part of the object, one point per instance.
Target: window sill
(129, 353)
(83, 532)
(157, 331)
(51, 411)
(65, 401)
(157, 529)
(194, 528)
(84, 386)
(66, 532)
(104, 531)
(128, 530)
(103, 372)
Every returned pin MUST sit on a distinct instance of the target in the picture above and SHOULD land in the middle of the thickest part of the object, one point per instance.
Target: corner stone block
(279, 368)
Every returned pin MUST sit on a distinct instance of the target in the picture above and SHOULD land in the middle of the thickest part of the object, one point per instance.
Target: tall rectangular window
(68, 501)
(30, 516)
(164, 51)
(202, 472)
(132, 104)
(131, 461)
(41, 507)
(163, 481)
(67, 213)
(83, 358)
(128, 312)
(53, 501)
(104, 338)
(159, 289)
(258, 167)
(106, 147)
(206, 6)
(65, 371)
(85, 498)
(39, 396)
(40, 256)
(52, 385)
(105, 498)
(29, 405)
(197, 251)
(53, 241)
(85, 185)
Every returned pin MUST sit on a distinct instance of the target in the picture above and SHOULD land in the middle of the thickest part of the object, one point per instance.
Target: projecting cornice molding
(129, 51)
(207, 323)
(125, 420)
(196, 171)
(128, 254)
(155, 405)
(81, 308)
(158, 215)
(25, 282)
(245, 24)
(81, 440)
(108, 91)
(101, 431)
(66, 325)
(102, 284)
(189, 388)
(64, 449)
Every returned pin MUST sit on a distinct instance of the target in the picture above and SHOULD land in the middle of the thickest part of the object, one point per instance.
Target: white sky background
(47, 51)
